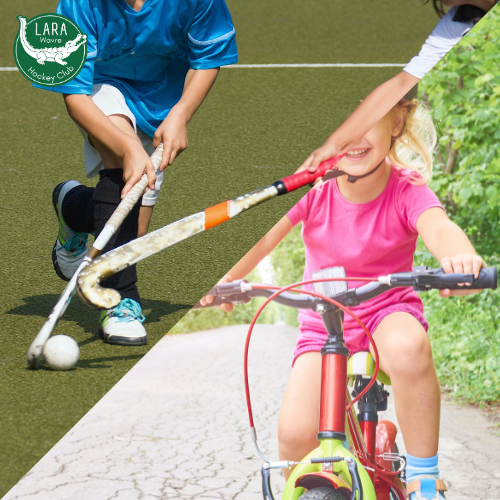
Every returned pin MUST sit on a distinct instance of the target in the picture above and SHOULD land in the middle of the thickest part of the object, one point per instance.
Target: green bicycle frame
(328, 448)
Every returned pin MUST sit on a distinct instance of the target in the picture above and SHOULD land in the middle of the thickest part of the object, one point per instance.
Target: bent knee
(292, 438)
(405, 351)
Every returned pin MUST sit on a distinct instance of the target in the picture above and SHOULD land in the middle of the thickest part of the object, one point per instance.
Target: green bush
(465, 343)
(463, 93)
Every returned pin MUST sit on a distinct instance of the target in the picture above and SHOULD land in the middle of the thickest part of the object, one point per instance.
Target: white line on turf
(319, 65)
(328, 65)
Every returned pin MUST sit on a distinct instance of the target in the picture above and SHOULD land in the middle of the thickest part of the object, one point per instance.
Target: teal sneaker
(123, 324)
(70, 247)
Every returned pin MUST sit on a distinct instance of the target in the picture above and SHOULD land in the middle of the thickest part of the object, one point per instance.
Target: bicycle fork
(331, 464)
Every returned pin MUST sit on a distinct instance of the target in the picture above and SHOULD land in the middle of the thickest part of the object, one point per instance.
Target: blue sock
(416, 466)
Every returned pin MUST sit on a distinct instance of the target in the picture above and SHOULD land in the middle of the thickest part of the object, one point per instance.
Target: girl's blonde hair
(413, 147)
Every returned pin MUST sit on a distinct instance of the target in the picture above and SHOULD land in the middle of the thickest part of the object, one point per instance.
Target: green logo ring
(48, 49)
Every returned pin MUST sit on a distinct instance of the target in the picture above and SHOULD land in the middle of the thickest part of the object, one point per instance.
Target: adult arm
(447, 33)
(378, 103)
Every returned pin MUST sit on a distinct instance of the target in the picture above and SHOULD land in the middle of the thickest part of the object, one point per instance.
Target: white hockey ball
(61, 352)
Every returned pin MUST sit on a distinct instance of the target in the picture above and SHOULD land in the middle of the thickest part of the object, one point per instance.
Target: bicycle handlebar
(420, 279)
(423, 279)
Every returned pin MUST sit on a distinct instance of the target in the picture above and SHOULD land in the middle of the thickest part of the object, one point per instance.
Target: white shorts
(111, 102)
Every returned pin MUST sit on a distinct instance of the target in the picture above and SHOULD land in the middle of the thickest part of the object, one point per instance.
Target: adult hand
(318, 156)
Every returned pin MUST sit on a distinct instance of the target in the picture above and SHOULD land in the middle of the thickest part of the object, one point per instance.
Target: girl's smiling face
(375, 145)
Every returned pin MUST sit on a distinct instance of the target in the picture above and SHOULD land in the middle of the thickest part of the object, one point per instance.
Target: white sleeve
(443, 38)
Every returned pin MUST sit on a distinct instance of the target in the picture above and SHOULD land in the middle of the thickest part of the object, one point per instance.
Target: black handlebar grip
(226, 293)
(217, 301)
(487, 279)
(231, 288)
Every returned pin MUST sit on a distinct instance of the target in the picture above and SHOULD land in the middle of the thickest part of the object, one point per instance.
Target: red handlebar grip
(304, 178)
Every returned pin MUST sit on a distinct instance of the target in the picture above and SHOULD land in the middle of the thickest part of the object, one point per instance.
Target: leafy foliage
(288, 260)
(465, 342)
(463, 92)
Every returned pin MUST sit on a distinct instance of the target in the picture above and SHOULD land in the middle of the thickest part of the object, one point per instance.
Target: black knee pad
(78, 209)
(109, 187)
(107, 196)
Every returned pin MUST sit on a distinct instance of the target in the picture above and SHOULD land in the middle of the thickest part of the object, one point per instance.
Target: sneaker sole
(57, 269)
(55, 200)
(124, 341)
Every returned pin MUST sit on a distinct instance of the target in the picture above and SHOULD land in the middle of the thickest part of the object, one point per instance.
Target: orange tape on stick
(217, 214)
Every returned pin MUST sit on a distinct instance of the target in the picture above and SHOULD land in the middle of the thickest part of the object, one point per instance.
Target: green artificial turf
(256, 126)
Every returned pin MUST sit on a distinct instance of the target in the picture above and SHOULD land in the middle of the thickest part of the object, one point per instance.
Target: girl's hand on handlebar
(465, 263)
(208, 299)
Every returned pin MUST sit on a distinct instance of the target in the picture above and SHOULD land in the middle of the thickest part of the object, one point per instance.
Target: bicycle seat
(362, 363)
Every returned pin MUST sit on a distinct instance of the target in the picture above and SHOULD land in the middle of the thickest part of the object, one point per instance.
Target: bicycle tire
(322, 493)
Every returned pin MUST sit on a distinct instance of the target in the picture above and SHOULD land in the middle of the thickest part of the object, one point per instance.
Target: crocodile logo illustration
(50, 49)
(56, 54)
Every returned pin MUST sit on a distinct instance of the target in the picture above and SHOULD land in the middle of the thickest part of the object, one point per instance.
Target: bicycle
(374, 469)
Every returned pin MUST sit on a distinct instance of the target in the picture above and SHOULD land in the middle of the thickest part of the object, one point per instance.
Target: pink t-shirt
(367, 239)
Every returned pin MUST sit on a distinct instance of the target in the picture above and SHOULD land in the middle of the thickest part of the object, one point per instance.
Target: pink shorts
(313, 339)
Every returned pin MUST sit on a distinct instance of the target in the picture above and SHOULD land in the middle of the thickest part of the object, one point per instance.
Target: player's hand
(208, 299)
(465, 263)
(136, 162)
(325, 152)
(173, 133)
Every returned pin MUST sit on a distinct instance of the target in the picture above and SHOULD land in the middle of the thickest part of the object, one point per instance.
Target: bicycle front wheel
(322, 493)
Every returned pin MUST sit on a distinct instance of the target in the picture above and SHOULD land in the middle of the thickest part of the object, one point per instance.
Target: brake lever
(231, 288)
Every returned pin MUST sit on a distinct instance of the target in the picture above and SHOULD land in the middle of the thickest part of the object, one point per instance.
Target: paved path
(176, 427)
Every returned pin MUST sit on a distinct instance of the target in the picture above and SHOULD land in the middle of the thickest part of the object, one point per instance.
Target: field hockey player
(150, 65)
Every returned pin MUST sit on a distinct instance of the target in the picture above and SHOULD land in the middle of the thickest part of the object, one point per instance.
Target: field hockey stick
(114, 222)
(93, 294)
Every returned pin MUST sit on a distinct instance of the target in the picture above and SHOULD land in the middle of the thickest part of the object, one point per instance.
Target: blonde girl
(370, 227)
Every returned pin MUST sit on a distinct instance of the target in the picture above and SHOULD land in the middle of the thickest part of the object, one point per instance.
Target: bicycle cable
(280, 290)
(291, 288)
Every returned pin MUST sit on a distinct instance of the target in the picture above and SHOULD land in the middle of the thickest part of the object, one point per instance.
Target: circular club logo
(50, 49)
